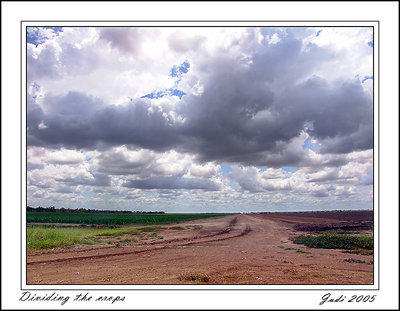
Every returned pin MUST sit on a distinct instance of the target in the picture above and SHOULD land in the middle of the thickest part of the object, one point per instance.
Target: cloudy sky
(200, 119)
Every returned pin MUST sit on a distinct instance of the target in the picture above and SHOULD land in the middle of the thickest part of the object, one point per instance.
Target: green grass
(333, 241)
(203, 278)
(44, 237)
(111, 218)
(359, 251)
(128, 240)
(40, 237)
(302, 251)
(286, 248)
(293, 249)
(126, 230)
(340, 231)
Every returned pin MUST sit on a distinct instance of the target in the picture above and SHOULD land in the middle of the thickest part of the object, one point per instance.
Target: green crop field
(111, 218)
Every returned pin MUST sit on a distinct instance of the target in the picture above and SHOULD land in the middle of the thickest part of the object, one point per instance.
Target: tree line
(84, 210)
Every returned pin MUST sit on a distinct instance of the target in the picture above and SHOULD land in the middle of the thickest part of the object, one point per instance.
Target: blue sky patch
(36, 86)
(175, 92)
(289, 169)
(155, 94)
(309, 126)
(34, 36)
(367, 180)
(371, 44)
(261, 168)
(367, 78)
(226, 168)
(318, 33)
(159, 94)
(308, 144)
(177, 71)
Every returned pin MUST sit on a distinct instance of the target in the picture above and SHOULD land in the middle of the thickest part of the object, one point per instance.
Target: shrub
(332, 241)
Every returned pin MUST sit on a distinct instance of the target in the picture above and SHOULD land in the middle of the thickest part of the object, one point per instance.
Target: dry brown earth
(237, 249)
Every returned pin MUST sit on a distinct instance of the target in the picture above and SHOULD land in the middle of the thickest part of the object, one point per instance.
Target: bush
(332, 241)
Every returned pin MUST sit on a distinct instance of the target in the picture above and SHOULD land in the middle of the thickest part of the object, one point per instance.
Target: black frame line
(204, 26)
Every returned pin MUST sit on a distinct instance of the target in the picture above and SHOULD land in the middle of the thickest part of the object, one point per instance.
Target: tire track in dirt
(199, 240)
(107, 247)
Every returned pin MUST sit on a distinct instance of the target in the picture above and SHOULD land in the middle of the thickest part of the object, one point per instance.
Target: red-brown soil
(237, 249)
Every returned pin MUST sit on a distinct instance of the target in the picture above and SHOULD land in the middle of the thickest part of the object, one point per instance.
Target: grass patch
(293, 249)
(114, 232)
(149, 228)
(143, 237)
(287, 248)
(302, 251)
(51, 237)
(153, 235)
(352, 260)
(40, 237)
(201, 278)
(333, 241)
(127, 240)
(343, 232)
(359, 251)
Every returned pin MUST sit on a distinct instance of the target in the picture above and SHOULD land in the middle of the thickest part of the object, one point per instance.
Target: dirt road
(237, 249)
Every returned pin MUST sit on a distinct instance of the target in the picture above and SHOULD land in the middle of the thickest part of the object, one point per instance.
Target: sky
(216, 119)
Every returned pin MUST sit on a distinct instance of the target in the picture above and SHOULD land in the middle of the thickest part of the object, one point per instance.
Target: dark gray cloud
(116, 163)
(99, 179)
(47, 65)
(328, 176)
(187, 44)
(169, 194)
(126, 39)
(173, 182)
(320, 194)
(80, 121)
(32, 166)
(248, 113)
(65, 189)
